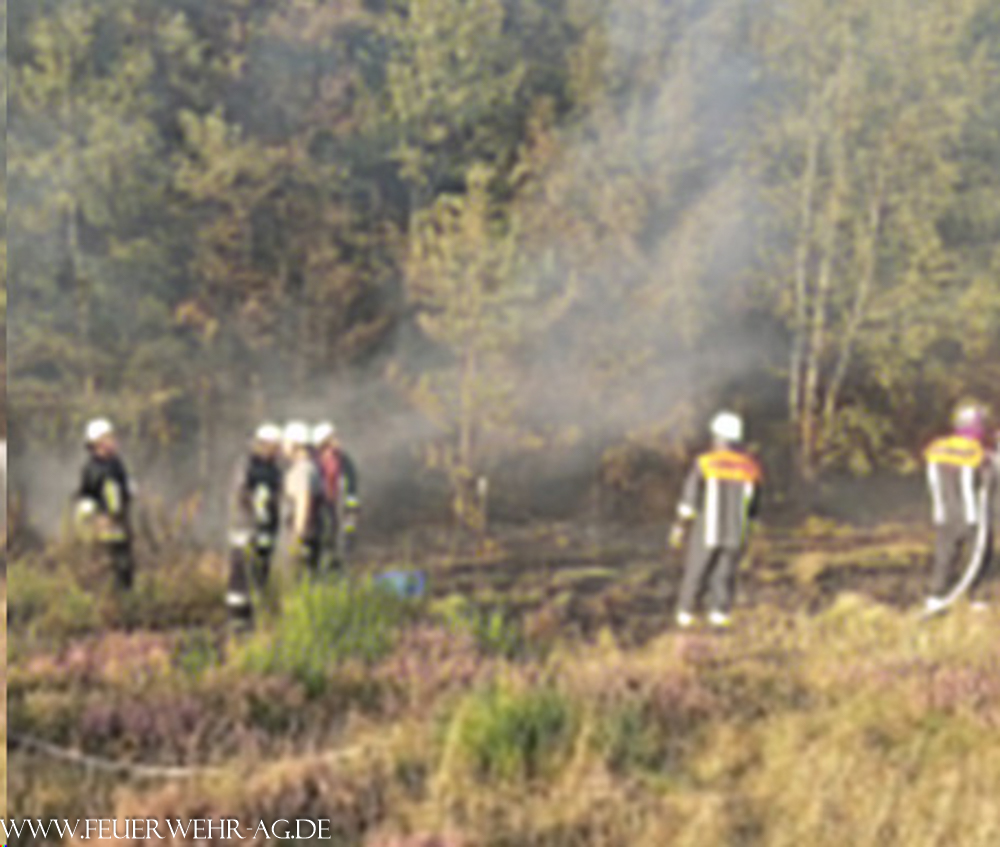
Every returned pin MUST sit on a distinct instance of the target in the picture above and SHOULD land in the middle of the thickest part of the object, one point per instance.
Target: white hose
(977, 560)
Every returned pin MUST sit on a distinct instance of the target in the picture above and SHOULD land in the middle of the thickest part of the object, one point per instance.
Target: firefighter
(303, 495)
(992, 528)
(340, 503)
(104, 501)
(255, 502)
(959, 478)
(720, 497)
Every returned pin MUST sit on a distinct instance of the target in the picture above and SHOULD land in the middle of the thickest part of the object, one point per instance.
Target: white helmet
(98, 429)
(268, 433)
(727, 426)
(323, 432)
(296, 434)
(969, 415)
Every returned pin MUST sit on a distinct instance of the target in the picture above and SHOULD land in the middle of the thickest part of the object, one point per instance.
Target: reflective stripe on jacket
(956, 469)
(722, 491)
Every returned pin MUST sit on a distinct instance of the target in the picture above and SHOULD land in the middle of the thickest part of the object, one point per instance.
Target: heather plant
(3, 689)
(510, 733)
(184, 593)
(429, 664)
(196, 652)
(449, 840)
(856, 724)
(325, 624)
(494, 632)
(56, 602)
(630, 741)
(48, 605)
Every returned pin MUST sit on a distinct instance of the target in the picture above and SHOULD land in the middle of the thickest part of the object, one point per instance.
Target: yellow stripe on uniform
(957, 451)
(729, 466)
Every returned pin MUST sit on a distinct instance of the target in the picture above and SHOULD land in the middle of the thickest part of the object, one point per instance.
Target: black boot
(238, 600)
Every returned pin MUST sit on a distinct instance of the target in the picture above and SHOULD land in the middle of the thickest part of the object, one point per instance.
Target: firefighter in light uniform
(104, 502)
(340, 504)
(959, 478)
(255, 503)
(303, 497)
(720, 497)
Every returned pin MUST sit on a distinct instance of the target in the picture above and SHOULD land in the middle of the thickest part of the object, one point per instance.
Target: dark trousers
(330, 554)
(305, 558)
(249, 571)
(953, 544)
(238, 600)
(712, 569)
(119, 557)
(986, 572)
(260, 567)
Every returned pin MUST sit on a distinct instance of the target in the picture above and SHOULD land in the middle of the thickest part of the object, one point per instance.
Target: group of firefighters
(295, 491)
(298, 486)
(721, 497)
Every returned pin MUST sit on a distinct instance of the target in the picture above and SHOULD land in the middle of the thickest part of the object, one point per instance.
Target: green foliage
(184, 595)
(493, 632)
(325, 624)
(508, 735)
(856, 724)
(594, 217)
(49, 605)
(629, 740)
(196, 652)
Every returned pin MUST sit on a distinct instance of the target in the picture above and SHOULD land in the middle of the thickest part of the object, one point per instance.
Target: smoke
(645, 210)
(655, 222)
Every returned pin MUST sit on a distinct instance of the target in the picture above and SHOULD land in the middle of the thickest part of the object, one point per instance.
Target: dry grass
(3, 717)
(855, 725)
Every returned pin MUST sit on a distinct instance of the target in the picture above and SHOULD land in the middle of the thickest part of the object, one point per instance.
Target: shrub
(652, 725)
(493, 633)
(324, 624)
(429, 663)
(629, 740)
(182, 593)
(196, 652)
(501, 734)
(49, 604)
(56, 598)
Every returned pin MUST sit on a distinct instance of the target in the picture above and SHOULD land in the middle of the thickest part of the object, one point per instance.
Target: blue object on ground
(404, 583)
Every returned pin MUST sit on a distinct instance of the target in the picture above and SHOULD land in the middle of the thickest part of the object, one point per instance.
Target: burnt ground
(573, 582)
(584, 580)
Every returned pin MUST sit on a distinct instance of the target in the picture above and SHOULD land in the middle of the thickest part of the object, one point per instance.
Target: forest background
(536, 240)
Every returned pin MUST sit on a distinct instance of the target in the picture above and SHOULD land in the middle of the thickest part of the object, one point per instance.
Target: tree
(84, 172)
(453, 77)
(858, 153)
(464, 275)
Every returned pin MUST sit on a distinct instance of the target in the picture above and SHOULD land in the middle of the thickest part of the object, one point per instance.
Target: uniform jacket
(338, 474)
(722, 493)
(304, 490)
(255, 496)
(958, 472)
(105, 482)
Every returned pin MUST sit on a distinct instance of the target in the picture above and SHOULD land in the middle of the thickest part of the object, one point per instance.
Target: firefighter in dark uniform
(959, 479)
(104, 502)
(720, 497)
(255, 502)
(340, 503)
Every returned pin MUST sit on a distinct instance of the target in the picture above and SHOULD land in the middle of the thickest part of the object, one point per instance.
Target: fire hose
(976, 561)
